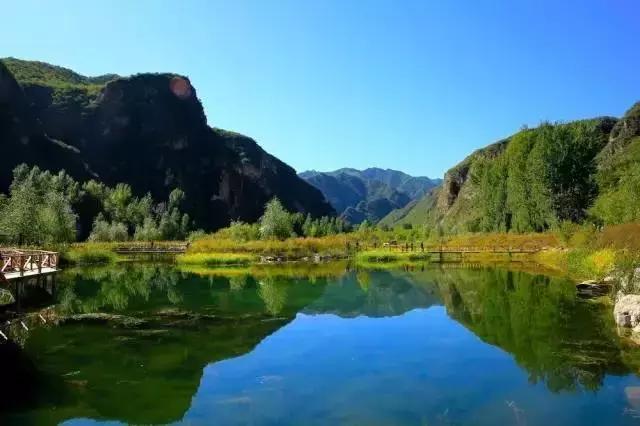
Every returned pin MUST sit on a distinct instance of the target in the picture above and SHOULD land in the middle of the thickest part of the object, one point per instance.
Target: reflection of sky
(418, 368)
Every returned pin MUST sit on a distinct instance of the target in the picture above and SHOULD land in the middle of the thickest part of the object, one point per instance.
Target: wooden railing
(18, 261)
(452, 249)
(150, 248)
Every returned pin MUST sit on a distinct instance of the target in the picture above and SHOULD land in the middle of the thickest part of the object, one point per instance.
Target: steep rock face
(368, 194)
(447, 201)
(455, 179)
(623, 132)
(22, 136)
(151, 132)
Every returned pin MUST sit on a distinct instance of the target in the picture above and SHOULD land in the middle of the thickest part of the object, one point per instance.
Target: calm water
(322, 346)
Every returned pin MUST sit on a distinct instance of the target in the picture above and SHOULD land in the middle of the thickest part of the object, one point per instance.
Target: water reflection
(558, 339)
(326, 346)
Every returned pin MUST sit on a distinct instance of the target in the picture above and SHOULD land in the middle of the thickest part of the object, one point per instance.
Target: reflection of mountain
(157, 369)
(185, 323)
(374, 294)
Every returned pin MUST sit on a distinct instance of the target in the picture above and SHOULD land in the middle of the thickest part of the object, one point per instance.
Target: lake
(325, 345)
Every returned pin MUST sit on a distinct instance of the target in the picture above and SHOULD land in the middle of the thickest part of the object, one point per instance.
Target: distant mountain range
(369, 194)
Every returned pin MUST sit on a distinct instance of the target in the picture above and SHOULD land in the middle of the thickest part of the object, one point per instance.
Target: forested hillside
(538, 178)
(148, 131)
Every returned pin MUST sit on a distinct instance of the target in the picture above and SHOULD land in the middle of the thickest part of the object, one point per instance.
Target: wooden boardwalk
(22, 263)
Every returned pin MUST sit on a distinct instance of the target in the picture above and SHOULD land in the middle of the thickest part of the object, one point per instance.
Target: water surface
(328, 345)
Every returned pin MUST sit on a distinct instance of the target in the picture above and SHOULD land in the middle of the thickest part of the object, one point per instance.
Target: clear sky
(409, 85)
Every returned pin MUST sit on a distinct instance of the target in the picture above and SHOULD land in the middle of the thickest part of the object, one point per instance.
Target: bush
(196, 235)
(89, 255)
(586, 264)
(243, 232)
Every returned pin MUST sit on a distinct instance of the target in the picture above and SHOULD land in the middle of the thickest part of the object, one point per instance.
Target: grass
(291, 248)
(489, 241)
(216, 259)
(95, 253)
(386, 256)
(88, 254)
(580, 252)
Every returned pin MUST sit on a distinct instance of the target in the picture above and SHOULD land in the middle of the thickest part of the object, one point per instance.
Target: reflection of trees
(274, 294)
(364, 279)
(560, 340)
(144, 289)
(237, 283)
(96, 289)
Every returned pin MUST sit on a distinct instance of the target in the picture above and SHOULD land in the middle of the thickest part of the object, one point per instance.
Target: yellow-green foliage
(68, 87)
(489, 241)
(620, 237)
(602, 262)
(587, 264)
(555, 259)
(89, 254)
(371, 256)
(306, 270)
(216, 259)
(291, 247)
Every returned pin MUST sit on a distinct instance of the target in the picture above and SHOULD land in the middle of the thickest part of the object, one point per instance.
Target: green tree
(58, 220)
(104, 230)
(38, 209)
(276, 222)
(148, 231)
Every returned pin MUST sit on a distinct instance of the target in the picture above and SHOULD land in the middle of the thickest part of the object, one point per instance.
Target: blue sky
(409, 85)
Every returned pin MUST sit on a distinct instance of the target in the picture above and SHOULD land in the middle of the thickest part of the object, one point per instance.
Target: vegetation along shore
(563, 195)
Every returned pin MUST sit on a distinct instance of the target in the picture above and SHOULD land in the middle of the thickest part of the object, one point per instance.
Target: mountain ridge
(368, 194)
(147, 130)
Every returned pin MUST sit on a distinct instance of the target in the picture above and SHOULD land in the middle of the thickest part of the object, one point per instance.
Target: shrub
(243, 232)
(89, 255)
(586, 264)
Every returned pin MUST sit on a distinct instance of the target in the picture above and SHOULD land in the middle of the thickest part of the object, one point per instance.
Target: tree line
(279, 223)
(43, 208)
(545, 176)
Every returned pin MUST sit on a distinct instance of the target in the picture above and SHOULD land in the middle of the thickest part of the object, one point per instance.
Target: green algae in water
(427, 346)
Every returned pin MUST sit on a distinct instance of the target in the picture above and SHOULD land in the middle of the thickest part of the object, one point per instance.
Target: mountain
(538, 178)
(147, 130)
(368, 194)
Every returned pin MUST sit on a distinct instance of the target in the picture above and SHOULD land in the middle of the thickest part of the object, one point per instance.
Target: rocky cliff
(149, 131)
